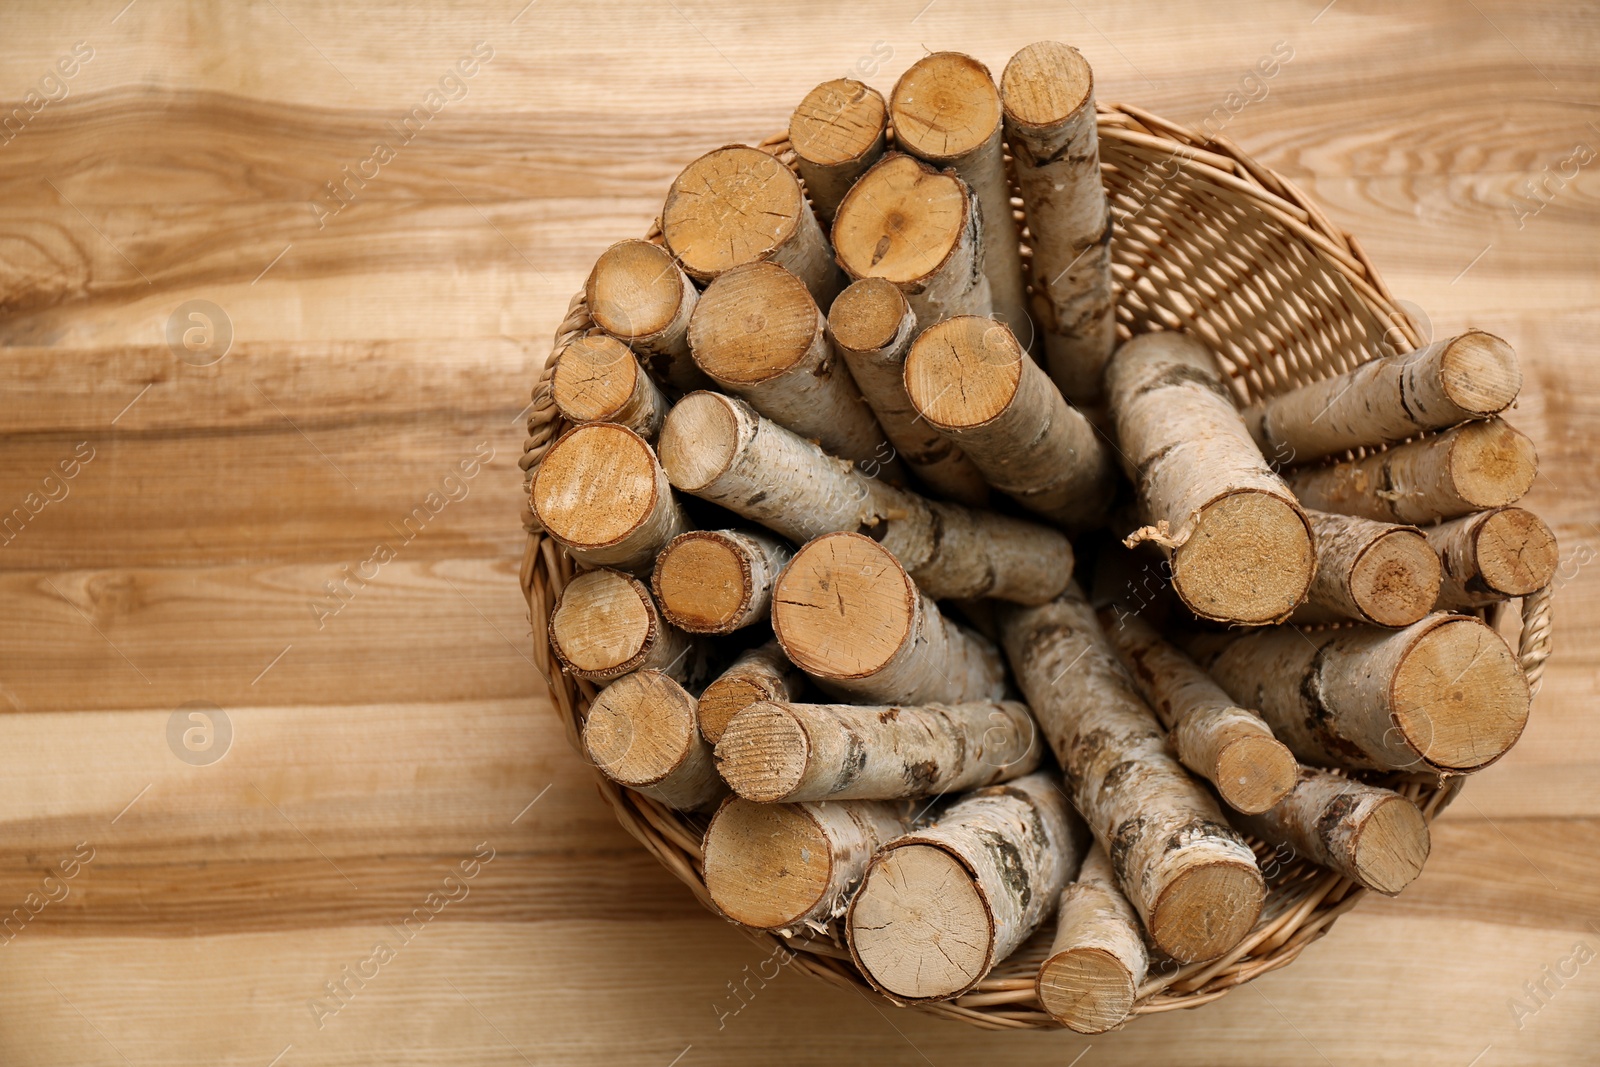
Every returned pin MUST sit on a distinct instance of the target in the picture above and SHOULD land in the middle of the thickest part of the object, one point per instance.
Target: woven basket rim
(1001, 1002)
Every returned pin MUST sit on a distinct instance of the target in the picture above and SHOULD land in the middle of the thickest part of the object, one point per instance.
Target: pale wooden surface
(380, 750)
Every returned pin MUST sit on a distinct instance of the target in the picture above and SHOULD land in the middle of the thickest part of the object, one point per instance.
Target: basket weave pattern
(1208, 242)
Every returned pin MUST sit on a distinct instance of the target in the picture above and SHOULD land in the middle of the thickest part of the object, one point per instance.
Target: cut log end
(596, 485)
(945, 106)
(913, 922)
(698, 441)
(595, 378)
(731, 206)
(1480, 373)
(634, 290)
(766, 864)
(702, 584)
(1391, 846)
(1459, 697)
(1492, 464)
(1516, 552)
(602, 622)
(753, 323)
(1088, 990)
(1206, 910)
(640, 728)
(1395, 580)
(843, 607)
(963, 372)
(900, 221)
(762, 753)
(1249, 559)
(1254, 772)
(838, 122)
(866, 317)
(1045, 84)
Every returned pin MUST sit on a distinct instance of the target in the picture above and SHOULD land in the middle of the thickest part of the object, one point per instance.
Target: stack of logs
(826, 453)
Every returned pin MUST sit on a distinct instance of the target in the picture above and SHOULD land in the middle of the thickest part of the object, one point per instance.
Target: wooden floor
(218, 538)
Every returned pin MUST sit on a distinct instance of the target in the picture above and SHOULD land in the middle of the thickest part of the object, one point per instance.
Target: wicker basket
(1208, 242)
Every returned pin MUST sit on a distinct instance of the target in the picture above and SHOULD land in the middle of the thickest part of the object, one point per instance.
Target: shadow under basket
(1208, 242)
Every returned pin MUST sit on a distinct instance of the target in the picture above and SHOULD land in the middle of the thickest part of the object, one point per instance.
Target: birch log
(918, 228)
(1097, 961)
(1048, 90)
(946, 110)
(1470, 468)
(605, 625)
(638, 294)
(786, 866)
(757, 333)
(1444, 694)
(1192, 879)
(847, 613)
(718, 581)
(737, 205)
(717, 448)
(1493, 555)
(783, 751)
(601, 493)
(1229, 746)
(641, 733)
(1375, 837)
(838, 131)
(598, 379)
(1386, 400)
(972, 381)
(872, 326)
(1372, 572)
(762, 673)
(1240, 547)
(939, 907)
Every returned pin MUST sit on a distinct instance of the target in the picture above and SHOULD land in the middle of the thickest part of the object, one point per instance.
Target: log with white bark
(1048, 90)
(872, 327)
(1097, 961)
(1239, 545)
(838, 131)
(718, 581)
(1386, 400)
(1444, 694)
(605, 624)
(718, 448)
(784, 751)
(1473, 467)
(940, 906)
(1192, 879)
(1493, 555)
(917, 227)
(1373, 836)
(847, 613)
(761, 673)
(638, 294)
(641, 733)
(1229, 746)
(946, 111)
(757, 333)
(601, 493)
(971, 380)
(737, 205)
(1373, 572)
(598, 379)
(787, 866)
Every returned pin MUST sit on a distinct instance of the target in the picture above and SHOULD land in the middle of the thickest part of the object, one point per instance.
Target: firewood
(1373, 836)
(838, 131)
(718, 581)
(1386, 400)
(1444, 694)
(1240, 546)
(1048, 90)
(1091, 978)
(939, 907)
(1193, 881)
(717, 448)
(762, 673)
(757, 333)
(638, 294)
(1472, 467)
(946, 111)
(1229, 746)
(1493, 555)
(786, 866)
(641, 733)
(970, 379)
(847, 613)
(872, 327)
(601, 493)
(605, 625)
(783, 751)
(918, 228)
(737, 205)
(1373, 572)
(598, 379)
